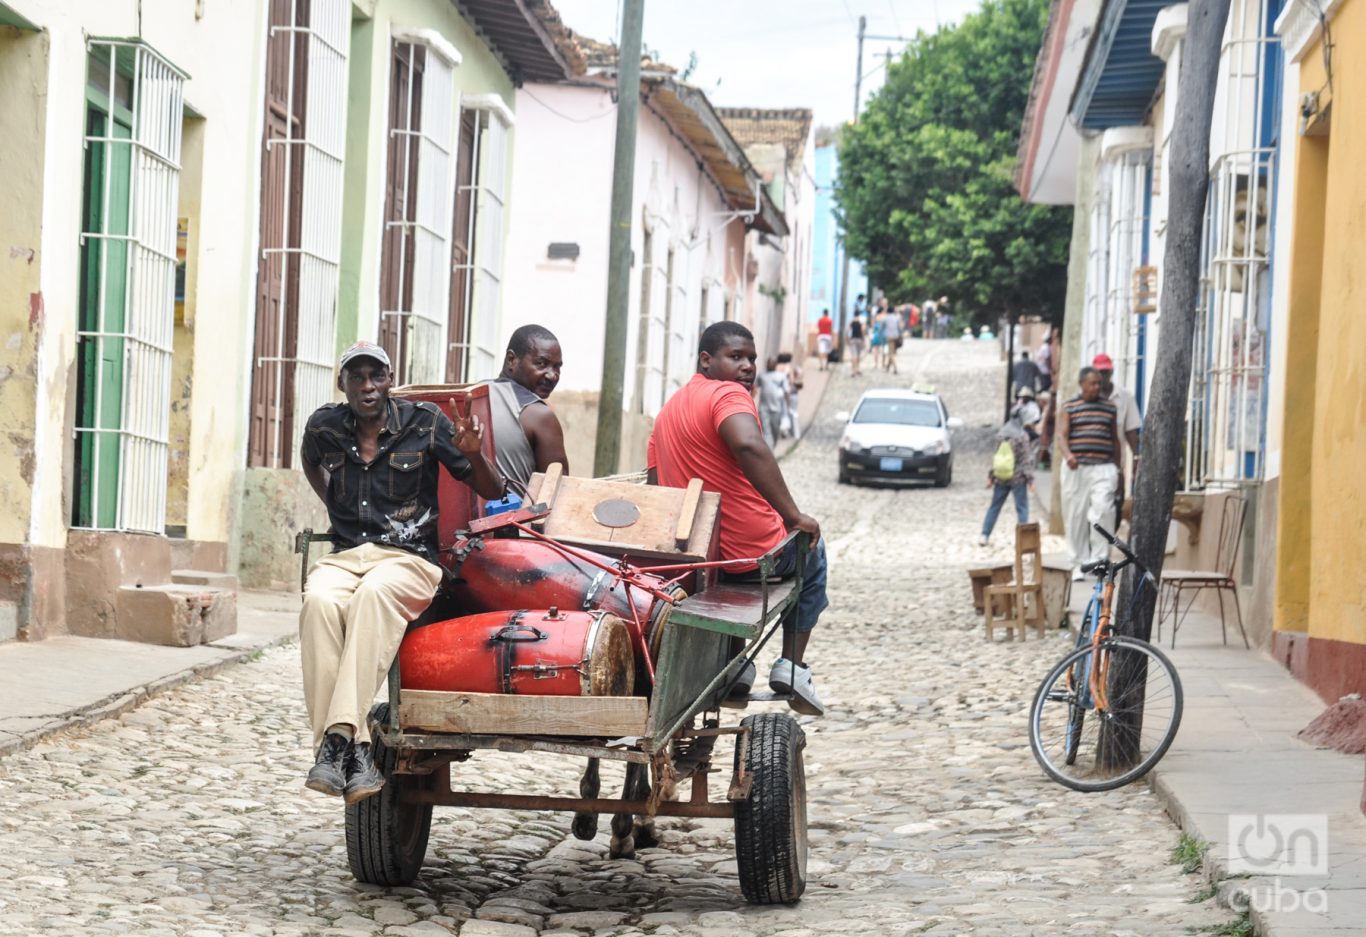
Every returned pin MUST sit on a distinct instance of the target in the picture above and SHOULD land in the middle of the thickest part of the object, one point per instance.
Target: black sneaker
(328, 774)
(362, 777)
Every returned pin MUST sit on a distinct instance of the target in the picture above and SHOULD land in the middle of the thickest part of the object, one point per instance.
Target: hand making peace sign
(466, 431)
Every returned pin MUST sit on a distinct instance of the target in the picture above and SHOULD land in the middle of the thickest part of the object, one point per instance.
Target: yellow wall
(23, 79)
(1322, 590)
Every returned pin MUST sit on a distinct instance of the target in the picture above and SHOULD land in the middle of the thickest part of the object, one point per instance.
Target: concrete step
(180, 615)
(204, 577)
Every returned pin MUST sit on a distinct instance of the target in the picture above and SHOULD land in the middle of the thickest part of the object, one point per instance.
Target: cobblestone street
(927, 812)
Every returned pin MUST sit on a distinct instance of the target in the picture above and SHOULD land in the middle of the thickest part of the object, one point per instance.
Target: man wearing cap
(1027, 411)
(373, 462)
(1088, 443)
(1130, 420)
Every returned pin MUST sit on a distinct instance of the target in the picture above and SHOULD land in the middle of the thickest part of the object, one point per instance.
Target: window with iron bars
(1225, 425)
(414, 284)
(301, 196)
(134, 111)
(1118, 219)
(474, 350)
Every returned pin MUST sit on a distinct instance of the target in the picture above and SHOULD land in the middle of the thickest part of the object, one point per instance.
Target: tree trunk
(1164, 424)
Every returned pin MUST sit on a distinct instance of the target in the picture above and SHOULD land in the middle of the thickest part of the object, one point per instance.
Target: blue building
(827, 253)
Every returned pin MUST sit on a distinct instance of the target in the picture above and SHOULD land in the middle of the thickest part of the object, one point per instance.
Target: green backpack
(1003, 462)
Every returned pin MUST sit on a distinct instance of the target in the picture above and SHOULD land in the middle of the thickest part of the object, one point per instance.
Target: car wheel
(944, 477)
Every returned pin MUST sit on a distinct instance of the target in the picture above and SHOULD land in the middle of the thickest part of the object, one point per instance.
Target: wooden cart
(672, 732)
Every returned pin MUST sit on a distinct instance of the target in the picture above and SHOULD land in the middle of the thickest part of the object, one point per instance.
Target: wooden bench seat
(736, 608)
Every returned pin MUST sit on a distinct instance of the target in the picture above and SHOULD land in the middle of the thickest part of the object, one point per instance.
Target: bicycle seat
(1095, 565)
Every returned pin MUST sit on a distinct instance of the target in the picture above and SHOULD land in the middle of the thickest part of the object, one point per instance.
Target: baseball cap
(1025, 392)
(1102, 362)
(364, 350)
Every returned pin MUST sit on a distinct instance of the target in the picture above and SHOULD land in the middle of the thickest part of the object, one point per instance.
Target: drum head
(616, 512)
(611, 661)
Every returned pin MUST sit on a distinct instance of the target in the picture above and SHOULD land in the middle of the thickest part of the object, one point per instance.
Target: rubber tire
(944, 477)
(770, 824)
(1138, 770)
(386, 840)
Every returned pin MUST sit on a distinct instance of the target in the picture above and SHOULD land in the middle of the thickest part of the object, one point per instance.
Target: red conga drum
(533, 653)
(521, 573)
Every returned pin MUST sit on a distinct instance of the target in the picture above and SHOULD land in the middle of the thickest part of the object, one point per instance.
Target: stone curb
(119, 703)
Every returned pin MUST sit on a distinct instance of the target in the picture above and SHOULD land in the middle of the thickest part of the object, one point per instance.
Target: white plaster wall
(562, 179)
(222, 52)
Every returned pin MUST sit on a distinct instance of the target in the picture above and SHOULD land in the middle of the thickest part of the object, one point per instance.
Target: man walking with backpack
(1011, 473)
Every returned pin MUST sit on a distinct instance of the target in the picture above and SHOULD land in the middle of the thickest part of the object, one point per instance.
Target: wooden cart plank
(735, 608)
(496, 713)
(688, 513)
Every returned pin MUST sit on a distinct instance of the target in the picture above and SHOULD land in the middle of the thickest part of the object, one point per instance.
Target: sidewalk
(1236, 763)
(66, 681)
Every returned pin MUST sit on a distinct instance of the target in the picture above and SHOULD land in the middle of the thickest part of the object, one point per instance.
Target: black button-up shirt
(391, 500)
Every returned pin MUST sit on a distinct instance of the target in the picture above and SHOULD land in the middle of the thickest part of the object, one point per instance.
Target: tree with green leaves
(925, 190)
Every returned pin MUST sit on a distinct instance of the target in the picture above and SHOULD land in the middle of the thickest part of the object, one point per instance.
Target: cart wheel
(770, 824)
(386, 840)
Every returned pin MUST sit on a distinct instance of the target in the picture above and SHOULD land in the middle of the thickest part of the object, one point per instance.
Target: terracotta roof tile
(788, 127)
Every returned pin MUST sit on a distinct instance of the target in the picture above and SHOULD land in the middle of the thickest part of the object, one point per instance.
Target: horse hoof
(622, 848)
(645, 836)
(585, 825)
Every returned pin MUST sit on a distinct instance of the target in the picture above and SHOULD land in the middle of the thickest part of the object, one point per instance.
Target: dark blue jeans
(999, 493)
(813, 600)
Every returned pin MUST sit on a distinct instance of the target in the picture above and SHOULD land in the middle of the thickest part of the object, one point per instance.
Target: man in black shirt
(1025, 373)
(374, 463)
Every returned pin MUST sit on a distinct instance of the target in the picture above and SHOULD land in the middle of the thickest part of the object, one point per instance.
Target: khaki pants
(356, 607)
(1088, 497)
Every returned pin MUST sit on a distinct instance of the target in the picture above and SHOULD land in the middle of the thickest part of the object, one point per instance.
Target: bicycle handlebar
(1124, 548)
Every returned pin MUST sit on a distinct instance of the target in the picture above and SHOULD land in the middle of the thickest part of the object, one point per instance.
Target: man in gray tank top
(526, 433)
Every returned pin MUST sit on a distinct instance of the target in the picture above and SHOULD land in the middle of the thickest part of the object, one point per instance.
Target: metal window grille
(420, 225)
(482, 273)
(1120, 327)
(302, 242)
(129, 270)
(1224, 426)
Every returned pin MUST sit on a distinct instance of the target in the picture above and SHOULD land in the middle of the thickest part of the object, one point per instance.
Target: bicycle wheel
(1121, 740)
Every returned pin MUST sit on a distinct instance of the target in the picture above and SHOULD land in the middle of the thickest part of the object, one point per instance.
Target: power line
(891, 5)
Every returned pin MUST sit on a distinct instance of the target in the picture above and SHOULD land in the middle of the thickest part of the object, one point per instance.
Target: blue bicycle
(1110, 709)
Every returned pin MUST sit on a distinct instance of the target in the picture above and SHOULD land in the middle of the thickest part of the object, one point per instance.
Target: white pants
(1088, 497)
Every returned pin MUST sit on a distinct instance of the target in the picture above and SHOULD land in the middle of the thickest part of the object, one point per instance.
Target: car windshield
(898, 410)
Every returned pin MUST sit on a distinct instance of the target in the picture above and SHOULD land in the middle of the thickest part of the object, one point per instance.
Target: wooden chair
(1018, 604)
(1176, 582)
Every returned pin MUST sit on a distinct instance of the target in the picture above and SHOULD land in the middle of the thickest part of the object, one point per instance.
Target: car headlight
(847, 441)
(938, 447)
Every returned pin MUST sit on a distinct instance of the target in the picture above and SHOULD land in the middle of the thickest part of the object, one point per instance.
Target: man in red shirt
(710, 430)
(825, 338)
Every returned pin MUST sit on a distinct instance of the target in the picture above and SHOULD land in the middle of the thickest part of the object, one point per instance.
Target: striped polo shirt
(1091, 425)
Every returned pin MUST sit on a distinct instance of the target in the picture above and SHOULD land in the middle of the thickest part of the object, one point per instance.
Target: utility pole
(607, 451)
(1164, 425)
(844, 274)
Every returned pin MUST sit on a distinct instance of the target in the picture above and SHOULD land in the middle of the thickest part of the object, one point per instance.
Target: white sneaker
(745, 683)
(1078, 575)
(787, 678)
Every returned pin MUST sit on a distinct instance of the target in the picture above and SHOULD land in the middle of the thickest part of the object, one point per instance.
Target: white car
(898, 434)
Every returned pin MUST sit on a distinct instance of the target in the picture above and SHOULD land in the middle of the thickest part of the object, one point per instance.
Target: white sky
(773, 53)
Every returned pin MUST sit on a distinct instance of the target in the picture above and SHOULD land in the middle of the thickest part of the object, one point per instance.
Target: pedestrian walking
(771, 388)
(1025, 373)
(374, 463)
(858, 337)
(1011, 474)
(879, 340)
(891, 332)
(942, 316)
(1044, 359)
(825, 338)
(929, 317)
(1088, 441)
(793, 372)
